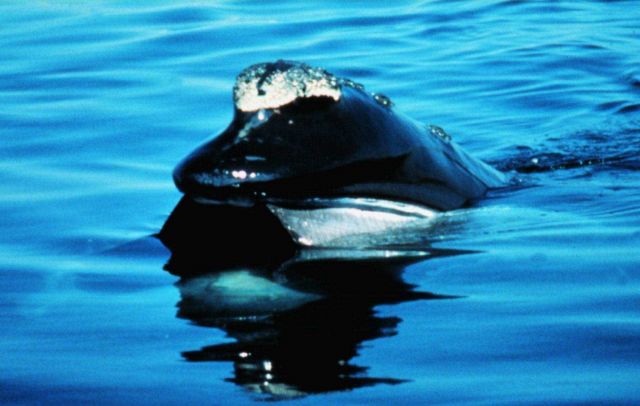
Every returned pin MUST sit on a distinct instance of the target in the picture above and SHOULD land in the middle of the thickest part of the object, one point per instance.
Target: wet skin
(319, 147)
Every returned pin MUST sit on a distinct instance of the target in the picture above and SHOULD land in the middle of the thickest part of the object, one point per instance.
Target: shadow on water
(297, 317)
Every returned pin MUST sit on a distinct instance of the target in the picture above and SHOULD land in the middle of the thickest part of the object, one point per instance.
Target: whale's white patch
(269, 86)
(351, 222)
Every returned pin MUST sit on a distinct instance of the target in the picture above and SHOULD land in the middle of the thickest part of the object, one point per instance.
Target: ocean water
(532, 295)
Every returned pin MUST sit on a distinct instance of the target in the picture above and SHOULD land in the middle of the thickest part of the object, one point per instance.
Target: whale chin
(351, 222)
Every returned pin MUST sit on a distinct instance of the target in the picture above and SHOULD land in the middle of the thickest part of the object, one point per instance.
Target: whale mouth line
(340, 221)
(368, 178)
(318, 201)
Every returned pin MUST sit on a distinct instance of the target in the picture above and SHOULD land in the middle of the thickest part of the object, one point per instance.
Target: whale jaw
(352, 222)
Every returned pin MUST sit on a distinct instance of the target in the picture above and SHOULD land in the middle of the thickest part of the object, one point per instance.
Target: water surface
(99, 101)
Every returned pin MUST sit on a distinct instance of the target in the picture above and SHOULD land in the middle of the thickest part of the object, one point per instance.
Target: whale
(328, 159)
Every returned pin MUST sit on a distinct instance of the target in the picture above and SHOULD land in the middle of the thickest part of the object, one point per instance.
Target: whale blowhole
(273, 85)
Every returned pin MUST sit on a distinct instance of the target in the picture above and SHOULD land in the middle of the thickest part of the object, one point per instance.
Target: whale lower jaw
(352, 222)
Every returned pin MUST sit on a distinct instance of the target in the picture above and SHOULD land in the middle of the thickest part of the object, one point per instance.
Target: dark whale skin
(208, 238)
(358, 146)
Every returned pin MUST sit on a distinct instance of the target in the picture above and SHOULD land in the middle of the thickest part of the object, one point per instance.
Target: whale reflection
(297, 329)
(298, 323)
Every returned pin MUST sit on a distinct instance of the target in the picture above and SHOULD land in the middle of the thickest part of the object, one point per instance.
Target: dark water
(99, 100)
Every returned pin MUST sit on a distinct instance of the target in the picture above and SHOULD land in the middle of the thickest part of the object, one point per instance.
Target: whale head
(327, 158)
(296, 130)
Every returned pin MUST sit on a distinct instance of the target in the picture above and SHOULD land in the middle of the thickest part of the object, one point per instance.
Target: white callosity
(272, 85)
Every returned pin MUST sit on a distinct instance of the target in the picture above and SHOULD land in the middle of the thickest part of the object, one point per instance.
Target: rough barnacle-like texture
(272, 85)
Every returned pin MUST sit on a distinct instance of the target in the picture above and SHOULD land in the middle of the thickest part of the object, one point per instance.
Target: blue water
(99, 101)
